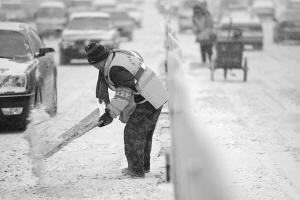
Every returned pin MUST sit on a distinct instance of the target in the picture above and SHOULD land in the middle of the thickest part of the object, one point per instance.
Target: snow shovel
(89, 122)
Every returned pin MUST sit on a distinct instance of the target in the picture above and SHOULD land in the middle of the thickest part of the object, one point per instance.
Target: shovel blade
(86, 124)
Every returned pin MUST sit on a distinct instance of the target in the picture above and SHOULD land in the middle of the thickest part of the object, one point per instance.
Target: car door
(46, 69)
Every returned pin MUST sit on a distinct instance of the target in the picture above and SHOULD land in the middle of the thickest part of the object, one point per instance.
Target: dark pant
(205, 49)
(138, 135)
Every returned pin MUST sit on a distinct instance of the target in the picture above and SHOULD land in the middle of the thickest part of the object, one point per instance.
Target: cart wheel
(225, 73)
(245, 69)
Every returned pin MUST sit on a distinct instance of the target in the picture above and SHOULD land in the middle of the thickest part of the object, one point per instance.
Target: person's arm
(124, 83)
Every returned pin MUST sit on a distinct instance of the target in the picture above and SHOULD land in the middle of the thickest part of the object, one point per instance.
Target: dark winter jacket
(203, 28)
(121, 77)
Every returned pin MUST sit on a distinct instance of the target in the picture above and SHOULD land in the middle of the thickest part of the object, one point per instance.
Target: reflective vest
(147, 82)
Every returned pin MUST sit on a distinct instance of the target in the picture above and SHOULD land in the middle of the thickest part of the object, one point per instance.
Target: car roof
(89, 14)
(250, 20)
(14, 26)
(51, 4)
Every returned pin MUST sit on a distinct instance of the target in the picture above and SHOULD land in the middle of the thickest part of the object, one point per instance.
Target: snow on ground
(254, 125)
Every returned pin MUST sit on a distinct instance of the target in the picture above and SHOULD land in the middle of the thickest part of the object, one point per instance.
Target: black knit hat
(96, 52)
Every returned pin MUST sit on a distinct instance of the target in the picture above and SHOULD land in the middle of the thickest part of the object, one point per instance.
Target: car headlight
(13, 83)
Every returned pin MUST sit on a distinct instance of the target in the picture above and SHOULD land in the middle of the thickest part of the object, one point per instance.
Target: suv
(13, 11)
(123, 22)
(51, 18)
(264, 8)
(28, 74)
(287, 27)
(85, 27)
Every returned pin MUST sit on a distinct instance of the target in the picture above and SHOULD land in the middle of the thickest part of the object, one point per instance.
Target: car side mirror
(43, 51)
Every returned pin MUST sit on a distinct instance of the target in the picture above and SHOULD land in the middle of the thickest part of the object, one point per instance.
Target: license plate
(248, 46)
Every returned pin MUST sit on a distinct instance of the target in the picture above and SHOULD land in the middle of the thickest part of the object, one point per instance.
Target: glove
(113, 111)
(105, 119)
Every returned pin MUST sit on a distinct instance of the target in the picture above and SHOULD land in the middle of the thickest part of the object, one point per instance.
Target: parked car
(30, 7)
(287, 27)
(185, 14)
(251, 27)
(292, 5)
(134, 12)
(264, 8)
(14, 11)
(78, 6)
(83, 28)
(123, 22)
(99, 5)
(51, 18)
(27, 74)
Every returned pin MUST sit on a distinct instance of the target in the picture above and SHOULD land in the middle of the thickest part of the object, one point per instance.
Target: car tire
(64, 59)
(258, 46)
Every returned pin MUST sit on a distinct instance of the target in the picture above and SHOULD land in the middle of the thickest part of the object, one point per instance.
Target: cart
(229, 56)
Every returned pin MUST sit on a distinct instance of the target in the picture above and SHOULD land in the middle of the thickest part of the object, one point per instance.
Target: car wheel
(258, 46)
(64, 59)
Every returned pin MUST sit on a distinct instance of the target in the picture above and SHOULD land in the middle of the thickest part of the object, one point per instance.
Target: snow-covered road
(254, 124)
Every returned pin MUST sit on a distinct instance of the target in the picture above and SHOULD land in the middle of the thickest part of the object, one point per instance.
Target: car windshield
(119, 16)
(80, 3)
(244, 28)
(13, 45)
(89, 23)
(51, 13)
(102, 7)
(292, 15)
(10, 6)
(291, 24)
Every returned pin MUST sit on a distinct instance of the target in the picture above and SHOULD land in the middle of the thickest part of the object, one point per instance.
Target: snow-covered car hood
(87, 34)
(11, 67)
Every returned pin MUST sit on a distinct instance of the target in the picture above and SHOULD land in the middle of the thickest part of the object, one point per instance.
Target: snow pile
(40, 138)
